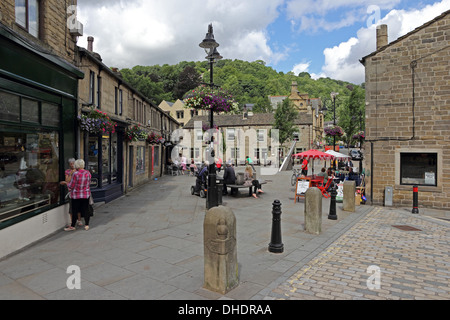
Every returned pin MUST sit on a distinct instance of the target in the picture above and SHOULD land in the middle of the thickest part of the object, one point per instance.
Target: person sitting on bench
(229, 177)
(249, 181)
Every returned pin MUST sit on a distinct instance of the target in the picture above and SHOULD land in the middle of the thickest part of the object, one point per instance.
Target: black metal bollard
(275, 245)
(415, 199)
(332, 214)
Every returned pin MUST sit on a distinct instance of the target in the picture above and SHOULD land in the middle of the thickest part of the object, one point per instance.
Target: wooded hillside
(248, 82)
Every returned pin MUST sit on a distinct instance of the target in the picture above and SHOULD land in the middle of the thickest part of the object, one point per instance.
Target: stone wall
(54, 34)
(408, 110)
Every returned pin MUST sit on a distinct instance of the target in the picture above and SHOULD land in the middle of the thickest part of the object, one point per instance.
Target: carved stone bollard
(349, 196)
(220, 252)
(313, 211)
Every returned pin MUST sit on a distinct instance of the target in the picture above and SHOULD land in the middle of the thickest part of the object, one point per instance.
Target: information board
(301, 187)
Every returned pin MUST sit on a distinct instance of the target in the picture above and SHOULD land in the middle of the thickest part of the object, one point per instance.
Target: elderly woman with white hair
(68, 176)
(79, 187)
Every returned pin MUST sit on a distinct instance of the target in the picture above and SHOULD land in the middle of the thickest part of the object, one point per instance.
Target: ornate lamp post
(333, 97)
(210, 45)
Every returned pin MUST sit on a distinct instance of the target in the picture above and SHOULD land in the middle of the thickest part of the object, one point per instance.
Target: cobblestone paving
(408, 264)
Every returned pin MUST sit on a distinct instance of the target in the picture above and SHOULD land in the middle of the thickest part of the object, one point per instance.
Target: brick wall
(408, 110)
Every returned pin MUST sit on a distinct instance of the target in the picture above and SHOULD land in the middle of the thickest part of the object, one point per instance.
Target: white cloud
(328, 15)
(342, 61)
(301, 67)
(160, 32)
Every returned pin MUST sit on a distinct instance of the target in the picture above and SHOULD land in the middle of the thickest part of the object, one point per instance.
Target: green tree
(349, 114)
(188, 79)
(285, 116)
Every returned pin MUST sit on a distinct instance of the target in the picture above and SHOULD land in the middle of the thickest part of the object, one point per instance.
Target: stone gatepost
(220, 253)
(349, 196)
(313, 211)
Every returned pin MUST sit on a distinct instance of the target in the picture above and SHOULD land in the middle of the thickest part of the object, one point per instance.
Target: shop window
(27, 15)
(418, 169)
(107, 155)
(106, 159)
(9, 107)
(30, 111)
(50, 115)
(29, 170)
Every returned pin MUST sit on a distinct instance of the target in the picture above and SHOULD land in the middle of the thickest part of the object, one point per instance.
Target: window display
(29, 171)
(419, 169)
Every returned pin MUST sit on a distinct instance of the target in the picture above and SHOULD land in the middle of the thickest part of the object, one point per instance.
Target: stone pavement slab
(148, 244)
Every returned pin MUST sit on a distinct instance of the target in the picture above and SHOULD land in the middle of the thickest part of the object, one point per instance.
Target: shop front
(38, 101)
(104, 159)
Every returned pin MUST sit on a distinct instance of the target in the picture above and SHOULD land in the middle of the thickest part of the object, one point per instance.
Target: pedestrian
(250, 162)
(229, 177)
(202, 176)
(219, 164)
(183, 163)
(80, 192)
(249, 181)
(193, 168)
(68, 176)
(305, 167)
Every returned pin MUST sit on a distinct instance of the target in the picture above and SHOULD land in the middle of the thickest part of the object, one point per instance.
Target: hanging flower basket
(96, 122)
(335, 131)
(360, 135)
(206, 98)
(135, 133)
(154, 138)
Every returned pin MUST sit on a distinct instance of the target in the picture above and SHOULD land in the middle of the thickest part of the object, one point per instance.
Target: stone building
(38, 107)
(246, 134)
(313, 135)
(178, 111)
(115, 163)
(408, 116)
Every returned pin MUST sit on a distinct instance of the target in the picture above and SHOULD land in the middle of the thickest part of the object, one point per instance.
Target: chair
(318, 181)
(324, 188)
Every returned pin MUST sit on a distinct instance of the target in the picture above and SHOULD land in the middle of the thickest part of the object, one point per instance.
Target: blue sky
(323, 37)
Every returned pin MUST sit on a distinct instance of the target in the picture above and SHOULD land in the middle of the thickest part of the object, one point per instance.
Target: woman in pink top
(79, 187)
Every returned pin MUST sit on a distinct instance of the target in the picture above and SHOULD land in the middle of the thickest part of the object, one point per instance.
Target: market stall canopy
(313, 154)
(338, 155)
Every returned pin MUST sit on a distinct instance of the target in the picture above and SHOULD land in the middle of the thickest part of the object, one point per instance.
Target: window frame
(428, 188)
(431, 155)
(26, 27)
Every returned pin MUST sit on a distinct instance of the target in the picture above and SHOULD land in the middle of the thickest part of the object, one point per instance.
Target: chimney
(90, 44)
(382, 36)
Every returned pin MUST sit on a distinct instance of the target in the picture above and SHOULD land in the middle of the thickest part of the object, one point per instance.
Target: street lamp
(333, 97)
(210, 45)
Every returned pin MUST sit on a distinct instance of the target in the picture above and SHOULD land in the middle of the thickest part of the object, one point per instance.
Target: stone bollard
(349, 196)
(220, 253)
(313, 211)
